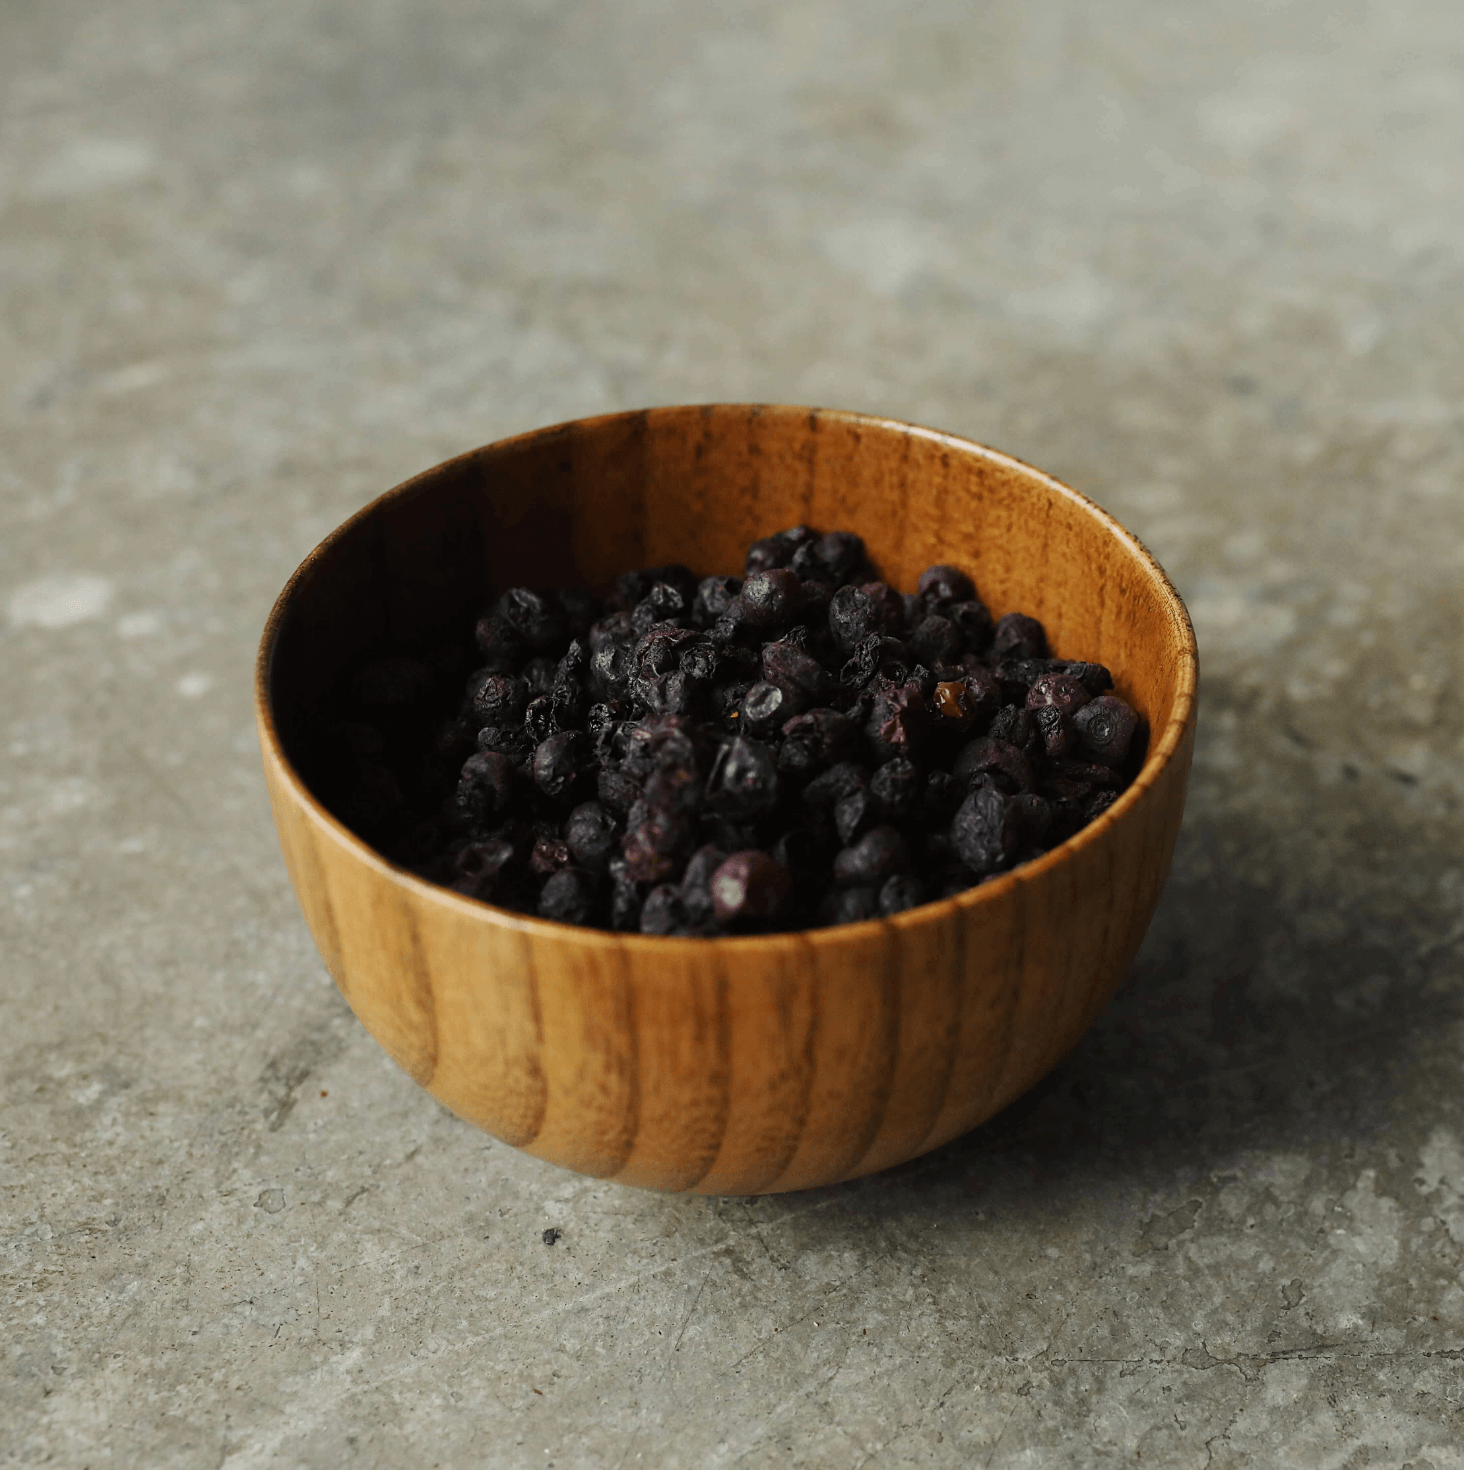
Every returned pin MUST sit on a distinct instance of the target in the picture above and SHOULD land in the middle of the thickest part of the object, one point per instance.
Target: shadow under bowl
(738, 1065)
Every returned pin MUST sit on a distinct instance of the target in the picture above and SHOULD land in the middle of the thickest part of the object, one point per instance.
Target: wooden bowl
(742, 1065)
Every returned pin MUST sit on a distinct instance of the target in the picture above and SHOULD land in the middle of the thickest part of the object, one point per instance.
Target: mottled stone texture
(263, 258)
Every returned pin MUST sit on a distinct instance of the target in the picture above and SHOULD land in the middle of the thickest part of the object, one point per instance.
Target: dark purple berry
(590, 834)
(539, 674)
(1018, 636)
(877, 855)
(744, 780)
(559, 763)
(895, 787)
(815, 739)
(1097, 804)
(973, 623)
(486, 785)
(749, 886)
(998, 760)
(618, 790)
(936, 641)
(537, 619)
(849, 905)
(854, 814)
(1054, 732)
(1012, 724)
(835, 784)
(765, 708)
(549, 855)
(713, 597)
(939, 586)
(898, 722)
(663, 911)
(656, 845)
(770, 599)
(789, 665)
(510, 740)
(1106, 726)
(479, 865)
(856, 613)
(696, 881)
(986, 831)
(498, 699)
(539, 718)
(1061, 691)
(569, 897)
(900, 892)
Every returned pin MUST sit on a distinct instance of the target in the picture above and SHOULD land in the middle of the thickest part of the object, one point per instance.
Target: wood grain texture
(729, 1066)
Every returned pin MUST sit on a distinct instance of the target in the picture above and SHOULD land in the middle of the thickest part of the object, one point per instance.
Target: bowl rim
(1160, 754)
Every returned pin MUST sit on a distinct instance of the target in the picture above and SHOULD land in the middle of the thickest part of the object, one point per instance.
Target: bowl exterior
(750, 1065)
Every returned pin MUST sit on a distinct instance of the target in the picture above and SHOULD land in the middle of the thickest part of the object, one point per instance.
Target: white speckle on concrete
(91, 164)
(59, 600)
(194, 686)
(887, 254)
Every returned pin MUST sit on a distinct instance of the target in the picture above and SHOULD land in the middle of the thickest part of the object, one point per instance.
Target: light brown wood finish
(730, 1066)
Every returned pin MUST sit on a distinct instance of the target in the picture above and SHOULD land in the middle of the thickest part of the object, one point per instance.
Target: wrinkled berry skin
(749, 886)
(486, 785)
(714, 596)
(770, 599)
(878, 855)
(568, 896)
(856, 613)
(591, 836)
(899, 892)
(559, 763)
(537, 619)
(1018, 636)
(499, 699)
(986, 831)
(997, 759)
(744, 780)
(1061, 691)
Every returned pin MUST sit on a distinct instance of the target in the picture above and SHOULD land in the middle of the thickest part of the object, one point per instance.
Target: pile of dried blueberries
(796, 747)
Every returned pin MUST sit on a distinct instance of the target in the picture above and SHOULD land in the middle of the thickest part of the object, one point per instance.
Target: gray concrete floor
(263, 259)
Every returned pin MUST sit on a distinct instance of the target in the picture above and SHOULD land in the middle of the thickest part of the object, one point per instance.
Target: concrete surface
(262, 259)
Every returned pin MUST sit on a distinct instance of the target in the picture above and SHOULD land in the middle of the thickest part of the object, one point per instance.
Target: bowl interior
(578, 503)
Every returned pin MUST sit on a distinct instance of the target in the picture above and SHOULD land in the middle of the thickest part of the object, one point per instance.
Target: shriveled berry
(895, 786)
(836, 783)
(1054, 732)
(854, 814)
(550, 854)
(788, 664)
(569, 897)
(618, 790)
(876, 657)
(1097, 804)
(855, 613)
(942, 585)
(656, 846)
(768, 554)
(1012, 724)
(713, 597)
(560, 761)
(537, 619)
(834, 559)
(590, 834)
(498, 699)
(744, 780)
(1106, 726)
(877, 855)
(1095, 678)
(1018, 636)
(814, 739)
(510, 740)
(539, 674)
(998, 760)
(486, 785)
(539, 718)
(1061, 691)
(770, 599)
(973, 623)
(663, 911)
(849, 905)
(936, 641)
(898, 722)
(766, 707)
(626, 898)
(986, 831)
(749, 886)
(899, 892)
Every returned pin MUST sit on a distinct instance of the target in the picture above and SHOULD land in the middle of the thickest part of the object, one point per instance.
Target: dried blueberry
(936, 641)
(590, 834)
(939, 586)
(899, 892)
(849, 905)
(895, 786)
(713, 597)
(744, 779)
(1018, 636)
(998, 760)
(1106, 726)
(770, 599)
(560, 762)
(1061, 691)
(498, 699)
(537, 619)
(749, 886)
(986, 831)
(486, 785)
(854, 814)
(663, 911)
(878, 854)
